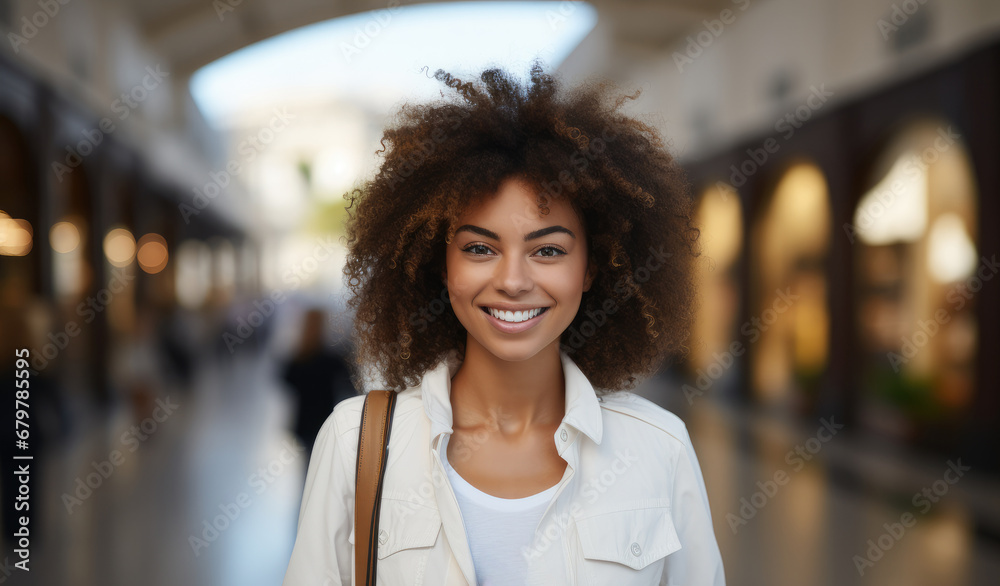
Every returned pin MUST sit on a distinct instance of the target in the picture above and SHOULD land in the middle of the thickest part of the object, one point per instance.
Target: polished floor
(223, 451)
(224, 457)
(810, 504)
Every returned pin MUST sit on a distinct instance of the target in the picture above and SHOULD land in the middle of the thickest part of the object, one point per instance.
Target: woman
(318, 375)
(519, 257)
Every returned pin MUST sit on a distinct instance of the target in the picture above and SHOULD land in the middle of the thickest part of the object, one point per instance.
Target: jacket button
(563, 435)
(382, 537)
(636, 550)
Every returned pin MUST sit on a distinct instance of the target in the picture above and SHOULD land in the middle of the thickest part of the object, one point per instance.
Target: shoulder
(649, 416)
(347, 413)
(345, 420)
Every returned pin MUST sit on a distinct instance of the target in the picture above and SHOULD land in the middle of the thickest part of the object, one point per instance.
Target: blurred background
(171, 184)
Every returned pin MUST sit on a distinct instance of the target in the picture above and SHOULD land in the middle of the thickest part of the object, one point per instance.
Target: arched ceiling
(193, 33)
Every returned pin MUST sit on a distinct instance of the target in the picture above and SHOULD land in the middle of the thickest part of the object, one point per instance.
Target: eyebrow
(529, 236)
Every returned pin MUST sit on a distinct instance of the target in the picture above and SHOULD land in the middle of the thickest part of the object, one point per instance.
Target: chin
(513, 356)
(514, 350)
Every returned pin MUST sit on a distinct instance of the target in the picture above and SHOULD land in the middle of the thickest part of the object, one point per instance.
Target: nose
(512, 275)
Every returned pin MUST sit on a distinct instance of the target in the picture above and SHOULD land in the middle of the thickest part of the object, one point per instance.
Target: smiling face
(505, 255)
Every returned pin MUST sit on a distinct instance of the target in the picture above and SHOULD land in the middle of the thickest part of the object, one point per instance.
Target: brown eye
(557, 252)
(472, 247)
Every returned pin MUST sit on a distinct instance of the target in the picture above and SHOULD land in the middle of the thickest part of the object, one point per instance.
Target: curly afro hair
(442, 157)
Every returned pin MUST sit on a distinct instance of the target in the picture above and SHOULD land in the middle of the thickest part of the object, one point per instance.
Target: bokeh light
(119, 247)
(64, 237)
(15, 236)
(152, 255)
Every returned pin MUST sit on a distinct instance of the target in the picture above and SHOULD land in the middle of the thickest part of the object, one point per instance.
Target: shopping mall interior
(172, 180)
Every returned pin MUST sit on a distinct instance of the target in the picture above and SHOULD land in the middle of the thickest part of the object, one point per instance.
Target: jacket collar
(583, 411)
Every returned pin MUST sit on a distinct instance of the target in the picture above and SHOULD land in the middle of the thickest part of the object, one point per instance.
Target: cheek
(461, 281)
(566, 286)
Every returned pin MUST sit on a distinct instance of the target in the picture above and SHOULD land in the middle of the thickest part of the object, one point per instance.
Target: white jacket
(630, 509)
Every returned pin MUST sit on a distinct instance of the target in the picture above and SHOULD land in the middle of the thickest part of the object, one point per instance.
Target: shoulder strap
(373, 441)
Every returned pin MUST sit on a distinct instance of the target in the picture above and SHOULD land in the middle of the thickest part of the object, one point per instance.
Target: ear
(591, 273)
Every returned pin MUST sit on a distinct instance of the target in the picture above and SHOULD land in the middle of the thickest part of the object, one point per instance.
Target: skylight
(377, 57)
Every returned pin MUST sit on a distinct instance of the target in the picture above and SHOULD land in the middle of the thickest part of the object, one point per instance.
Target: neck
(516, 398)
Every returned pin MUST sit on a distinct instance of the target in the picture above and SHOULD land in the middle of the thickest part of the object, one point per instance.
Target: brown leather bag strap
(373, 441)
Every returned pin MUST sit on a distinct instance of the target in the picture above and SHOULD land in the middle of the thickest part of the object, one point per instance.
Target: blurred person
(223, 314)
(176, 346)
(519, 261)
(183, 336)
(319, 376)
(139, 366)
(244, 326)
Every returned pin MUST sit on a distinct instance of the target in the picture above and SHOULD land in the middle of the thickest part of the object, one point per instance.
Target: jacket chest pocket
(627, 545)
(407, 534)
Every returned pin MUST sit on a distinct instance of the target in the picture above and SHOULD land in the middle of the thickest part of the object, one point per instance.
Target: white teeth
(515, 316)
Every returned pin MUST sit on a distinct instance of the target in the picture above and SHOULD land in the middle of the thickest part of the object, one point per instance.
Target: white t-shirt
(497, 528)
